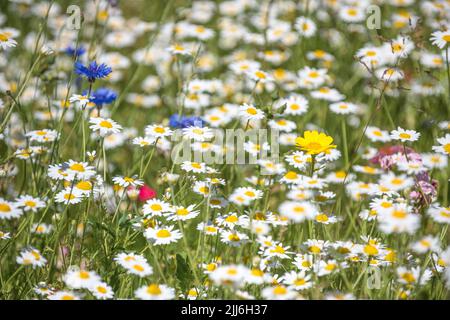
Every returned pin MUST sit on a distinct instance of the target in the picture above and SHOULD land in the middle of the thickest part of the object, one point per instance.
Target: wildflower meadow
(235, 149)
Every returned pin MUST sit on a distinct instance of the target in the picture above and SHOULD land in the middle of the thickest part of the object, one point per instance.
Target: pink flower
(146, 193)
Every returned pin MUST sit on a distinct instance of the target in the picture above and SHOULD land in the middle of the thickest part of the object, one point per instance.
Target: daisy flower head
(157, 131)
(439, 214)
(399, 220)
(69, 196)
(298, 211)
(183, 213)
(249, 112)
(134, 263)
(314, 142)
(233, 238)
(155, 292)
(259, 76)
(101, 290)
(78, 279)
(198, 133)
(73, 169)
(41, 228)
(282, 124)
(82, 101)
(233, 275)
(203, 188)
(352, 14)
(155, 207)
(248, 194)
(292, 177)
(413, 276)
(179, 49)
(6, 38)
(104, 126)
(195, 167)
(426, 244)
(389, 74)
(9, 210)
(31, 257)
(376, 134)
(63, 295)
(344, 107)
(444, 146)
(327, 94)
(441, 39)
(312, 78)
(404, 135)
(43, 289)
(43, 135)
(162, 235)
(305, 27)
(128, 181)
(278, 292)
(4, 235)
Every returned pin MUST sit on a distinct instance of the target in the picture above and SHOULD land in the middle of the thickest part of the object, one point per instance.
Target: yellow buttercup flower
(314, 142)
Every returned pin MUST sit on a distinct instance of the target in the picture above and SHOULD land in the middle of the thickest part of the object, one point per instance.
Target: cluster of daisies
(116, 181)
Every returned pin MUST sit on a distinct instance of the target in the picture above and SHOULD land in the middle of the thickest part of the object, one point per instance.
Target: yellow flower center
(322, 218)
(404, 135)
(211, 267)
(249, 194)
(370, 250)
(291, 175)
(69, 196)
(260, 74)
(77, 167)
(128, 179)
(156, 207)
(279, 290)
(160, 130)
(182, 212)
(232, 219)
(386, 205)
(30, 203)
(234, 237)
(278, 249)
(257, 272)
(399, 214)
(447, 148)
(314, 249)
(84, 185)
(196, 165)
(138, 267)
(408, 277)
(105, 124)
(163, 233)
(251, 111)
(154, 289)
(4, 37)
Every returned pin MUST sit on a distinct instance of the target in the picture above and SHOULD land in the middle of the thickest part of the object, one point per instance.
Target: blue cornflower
(93, 71)
(102, 96)
(74, 52)
(176, 121)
